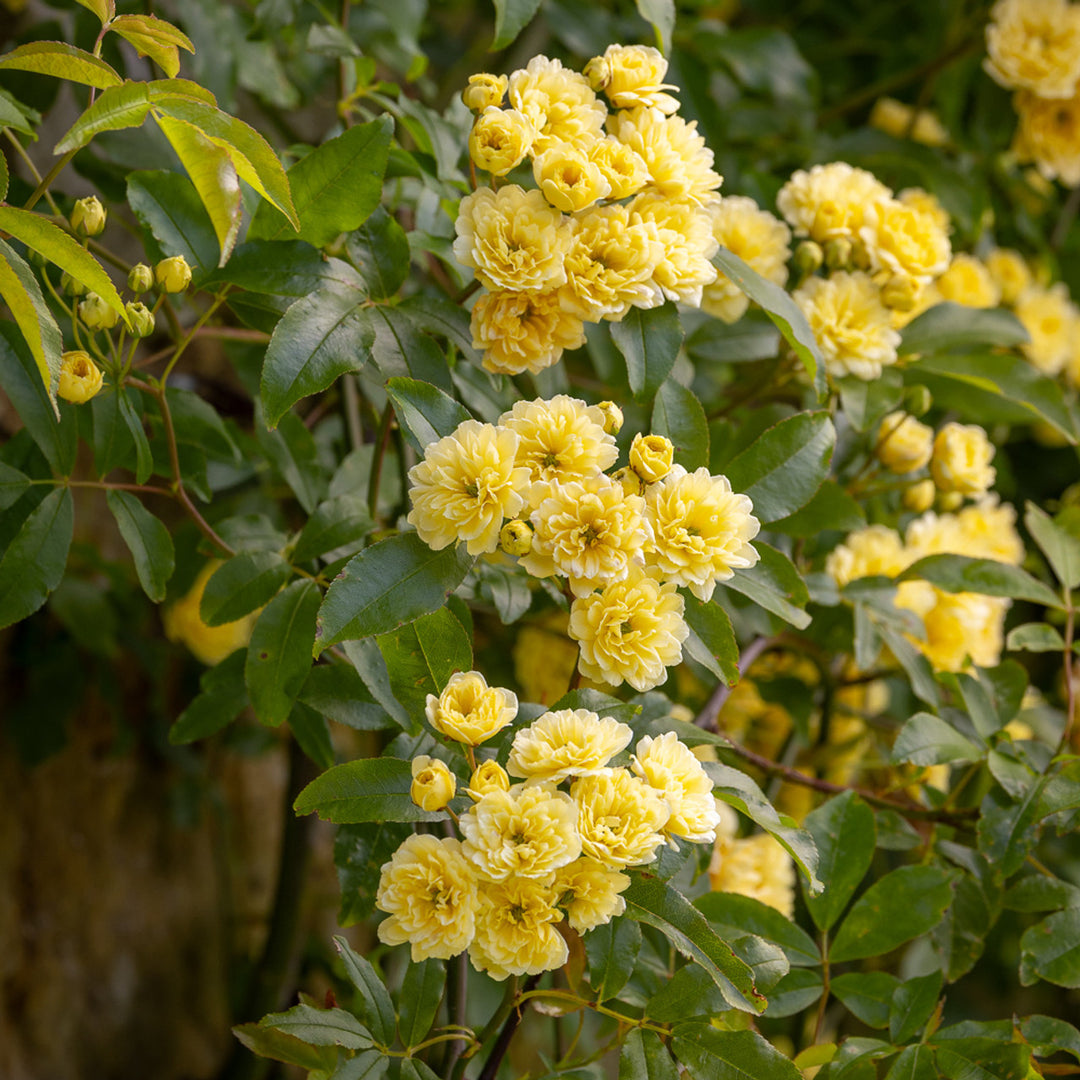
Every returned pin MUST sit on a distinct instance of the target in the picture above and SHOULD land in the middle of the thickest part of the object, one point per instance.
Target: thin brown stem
(708, 716)
(381, 441)
(506, 1035)
(1070, 677)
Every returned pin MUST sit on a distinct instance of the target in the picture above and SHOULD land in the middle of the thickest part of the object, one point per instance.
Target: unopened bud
(632, 484)
(516, 537)
(141, 319)
(96, 314)
(433, 784)
(140, 279)
(950, 500)
(80, 377)
(919, 497)
(901, 293)
(484, 90)
(489, 776)
(918, 400)
(70, 286)
(613, 417)
(808, 257)
(838, 253)
(88, 217)
(173, 275)
(651, 457)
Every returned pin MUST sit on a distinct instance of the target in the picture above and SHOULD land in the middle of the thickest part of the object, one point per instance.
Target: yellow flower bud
(838, 253)
(901, 292)
(173, 275)
(140, 278)
(961, 462)
(80, 377)
(919, 497)
(613, 417)
(484, 90)
(141, 318)
(632, 484)
(516, 537)
(70, 286)
(500, 139)
(433, 783)
(903, 444)
(651, 457)
(918, 400)
(808, 257)
(88, 217)
(949, 501)
(97, 314)
(489, 776)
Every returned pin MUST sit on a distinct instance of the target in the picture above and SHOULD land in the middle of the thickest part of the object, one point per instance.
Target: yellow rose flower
(1049, 135)
(895, 118)
(526, 832)
(680, 164)
(488, 776)
(961, 461)
(484, 91)
(429, 891)
(590, 892)
(755, 866)
(969, 282)
(500, 140)
(610, 265)
(80, 377)
(544, 659)
(560, 103)
(623, 168)
(903, 444)
(1010, 272)
(433, 784)
(852, 325)
(871, 552)
(701, 530)
(630, 631)
(208, 644)
(1034, 45)
(514, 931)
(926, 203)
(468, 710)
(685, 231)
(569, 742)
(569, 180)
(983, 530)
(1050, 318)
(651, 457)
(829, 200)
(669, 766)
(512, 239)
(465, 486)
(632, 75)
(905, 240)
(920, 496)
(962, 627)
(759, 239)
(588, 530)
(620, 818)
(523, 331)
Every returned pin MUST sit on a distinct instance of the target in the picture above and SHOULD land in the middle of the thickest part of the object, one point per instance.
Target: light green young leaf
(155, 38)
(103, 9)
(661, 13)
(62, 62)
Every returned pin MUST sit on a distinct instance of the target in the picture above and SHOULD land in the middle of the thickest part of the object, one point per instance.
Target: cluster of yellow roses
(958, 626)
(1033, 47)
(623, 542)
(529, 852)
(619, 217)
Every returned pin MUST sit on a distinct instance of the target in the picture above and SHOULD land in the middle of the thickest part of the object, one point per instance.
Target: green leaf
(14, 114)
(734, 914)
(511, 17)
(336, 523)
(379, 249)
(321, 1027)
(913, 1003)
(783, 469)
(292, 451)
(832, 508)
(22, 294)
(242, 584)
(279, 655)
(155, 38)
(914, 1063)
(845, 836)
(388, 584)
(866, 401)
(644, 1057)
(656, 903)
(283, 268)
(649, 342)
(415, 1069)
(103, 9)
(402, 349)
(712, 641)
(62, 62)
(1049, 1035)
(337, 692)
(946, 327)
(149, 542)
(168, 205)
(775, 585)
(1035, 637)
(12, 485)
(661, 13)
(783, 311)
(678, 415)
(34, 562)
(983, 1059)
(958, 573)
(896, 908)
(1061, 548)
(424, 412)
(926, 739)
(1040, 893)
(753, 337)
(222, 698)
(377, 1009)
(730, 1055)
(421, 992)
(320, 337)
(796, 991)
(62, 251)
(867, 995)
(612, 950)
(279, 1046)
(144, 458)
(370, 789)
(334, 188)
